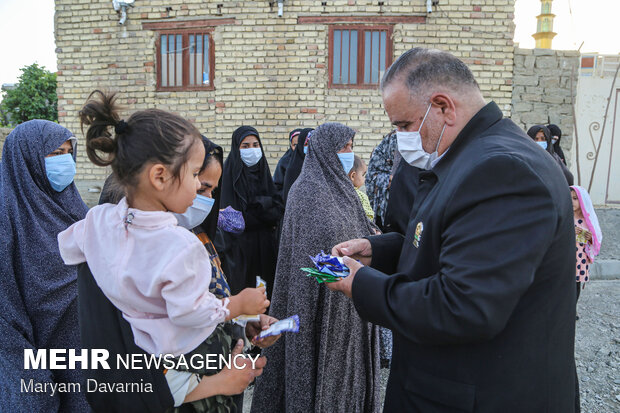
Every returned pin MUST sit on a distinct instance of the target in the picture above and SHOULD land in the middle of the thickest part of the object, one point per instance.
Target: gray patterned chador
(332, 365)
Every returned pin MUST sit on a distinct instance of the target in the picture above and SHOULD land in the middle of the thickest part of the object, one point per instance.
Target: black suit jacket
(403, 189)
(482, 296)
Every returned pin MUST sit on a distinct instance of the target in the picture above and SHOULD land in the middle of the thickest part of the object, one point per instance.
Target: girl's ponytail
(99, 114)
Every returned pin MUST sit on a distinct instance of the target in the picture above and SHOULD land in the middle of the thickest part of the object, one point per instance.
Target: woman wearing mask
(247, 186)
(38, 292)
(541, 135)
(332, 364)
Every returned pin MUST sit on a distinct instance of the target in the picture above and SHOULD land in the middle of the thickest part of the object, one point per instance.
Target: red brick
(149, 63)
(220, 105)
(97, 30)
(309, 110)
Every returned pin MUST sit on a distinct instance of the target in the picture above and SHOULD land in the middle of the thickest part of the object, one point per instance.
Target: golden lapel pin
(418, 234)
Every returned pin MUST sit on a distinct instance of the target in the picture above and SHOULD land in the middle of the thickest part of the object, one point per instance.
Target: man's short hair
(424, 68)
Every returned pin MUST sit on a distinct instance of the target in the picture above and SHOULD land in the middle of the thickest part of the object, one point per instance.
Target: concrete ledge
(605, 270)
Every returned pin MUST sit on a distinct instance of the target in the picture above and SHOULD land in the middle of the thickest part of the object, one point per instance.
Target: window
(185, 61)
(358, 55)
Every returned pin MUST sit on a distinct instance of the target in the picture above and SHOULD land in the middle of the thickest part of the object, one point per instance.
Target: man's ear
(158, 176)
(447, 106)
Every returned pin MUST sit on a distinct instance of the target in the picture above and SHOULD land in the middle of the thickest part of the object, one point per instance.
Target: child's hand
(254, 329)
(250, 301)
(253, 301)
(233, 380)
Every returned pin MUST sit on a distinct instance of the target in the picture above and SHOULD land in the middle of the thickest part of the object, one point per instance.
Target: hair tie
(121, 127)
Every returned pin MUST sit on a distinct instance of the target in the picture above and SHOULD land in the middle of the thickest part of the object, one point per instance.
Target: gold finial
(544, 30)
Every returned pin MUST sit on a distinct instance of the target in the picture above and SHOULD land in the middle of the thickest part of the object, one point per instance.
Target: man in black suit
(479, 292)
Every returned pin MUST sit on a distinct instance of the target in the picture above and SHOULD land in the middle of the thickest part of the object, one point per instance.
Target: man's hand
(359, 249)
(253, 329)
(346, 284)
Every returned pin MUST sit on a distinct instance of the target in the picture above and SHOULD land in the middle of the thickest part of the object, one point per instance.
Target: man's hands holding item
(358, 249)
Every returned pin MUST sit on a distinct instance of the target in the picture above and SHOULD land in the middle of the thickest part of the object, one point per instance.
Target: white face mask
(251, 156)
(410, 146)
(196, 213)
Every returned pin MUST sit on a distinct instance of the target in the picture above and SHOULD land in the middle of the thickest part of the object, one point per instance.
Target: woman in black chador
(247, 186)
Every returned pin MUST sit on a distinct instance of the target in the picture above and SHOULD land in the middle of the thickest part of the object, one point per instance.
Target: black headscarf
(556, 131)
(532, 134)
(535, 129)
(240, 182)
(297, 160)
(278, 175)
(209, 225)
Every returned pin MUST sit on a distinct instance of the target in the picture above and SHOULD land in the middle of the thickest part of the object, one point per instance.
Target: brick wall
(270, 72)
(542, 91)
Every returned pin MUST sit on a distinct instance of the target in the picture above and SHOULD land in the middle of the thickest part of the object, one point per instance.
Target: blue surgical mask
(347, 159)
(542, 144)
(196, 213)
(251, 156)
(305, 150)
(60, 171)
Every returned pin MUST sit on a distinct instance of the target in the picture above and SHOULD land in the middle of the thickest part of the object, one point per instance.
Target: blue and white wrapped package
(290, 325)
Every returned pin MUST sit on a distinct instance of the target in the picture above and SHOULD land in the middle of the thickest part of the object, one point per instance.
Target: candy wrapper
(290, 325)
(328, 268)
(231, 220)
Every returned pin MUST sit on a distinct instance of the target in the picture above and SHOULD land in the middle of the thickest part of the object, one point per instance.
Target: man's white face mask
(410, 146)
